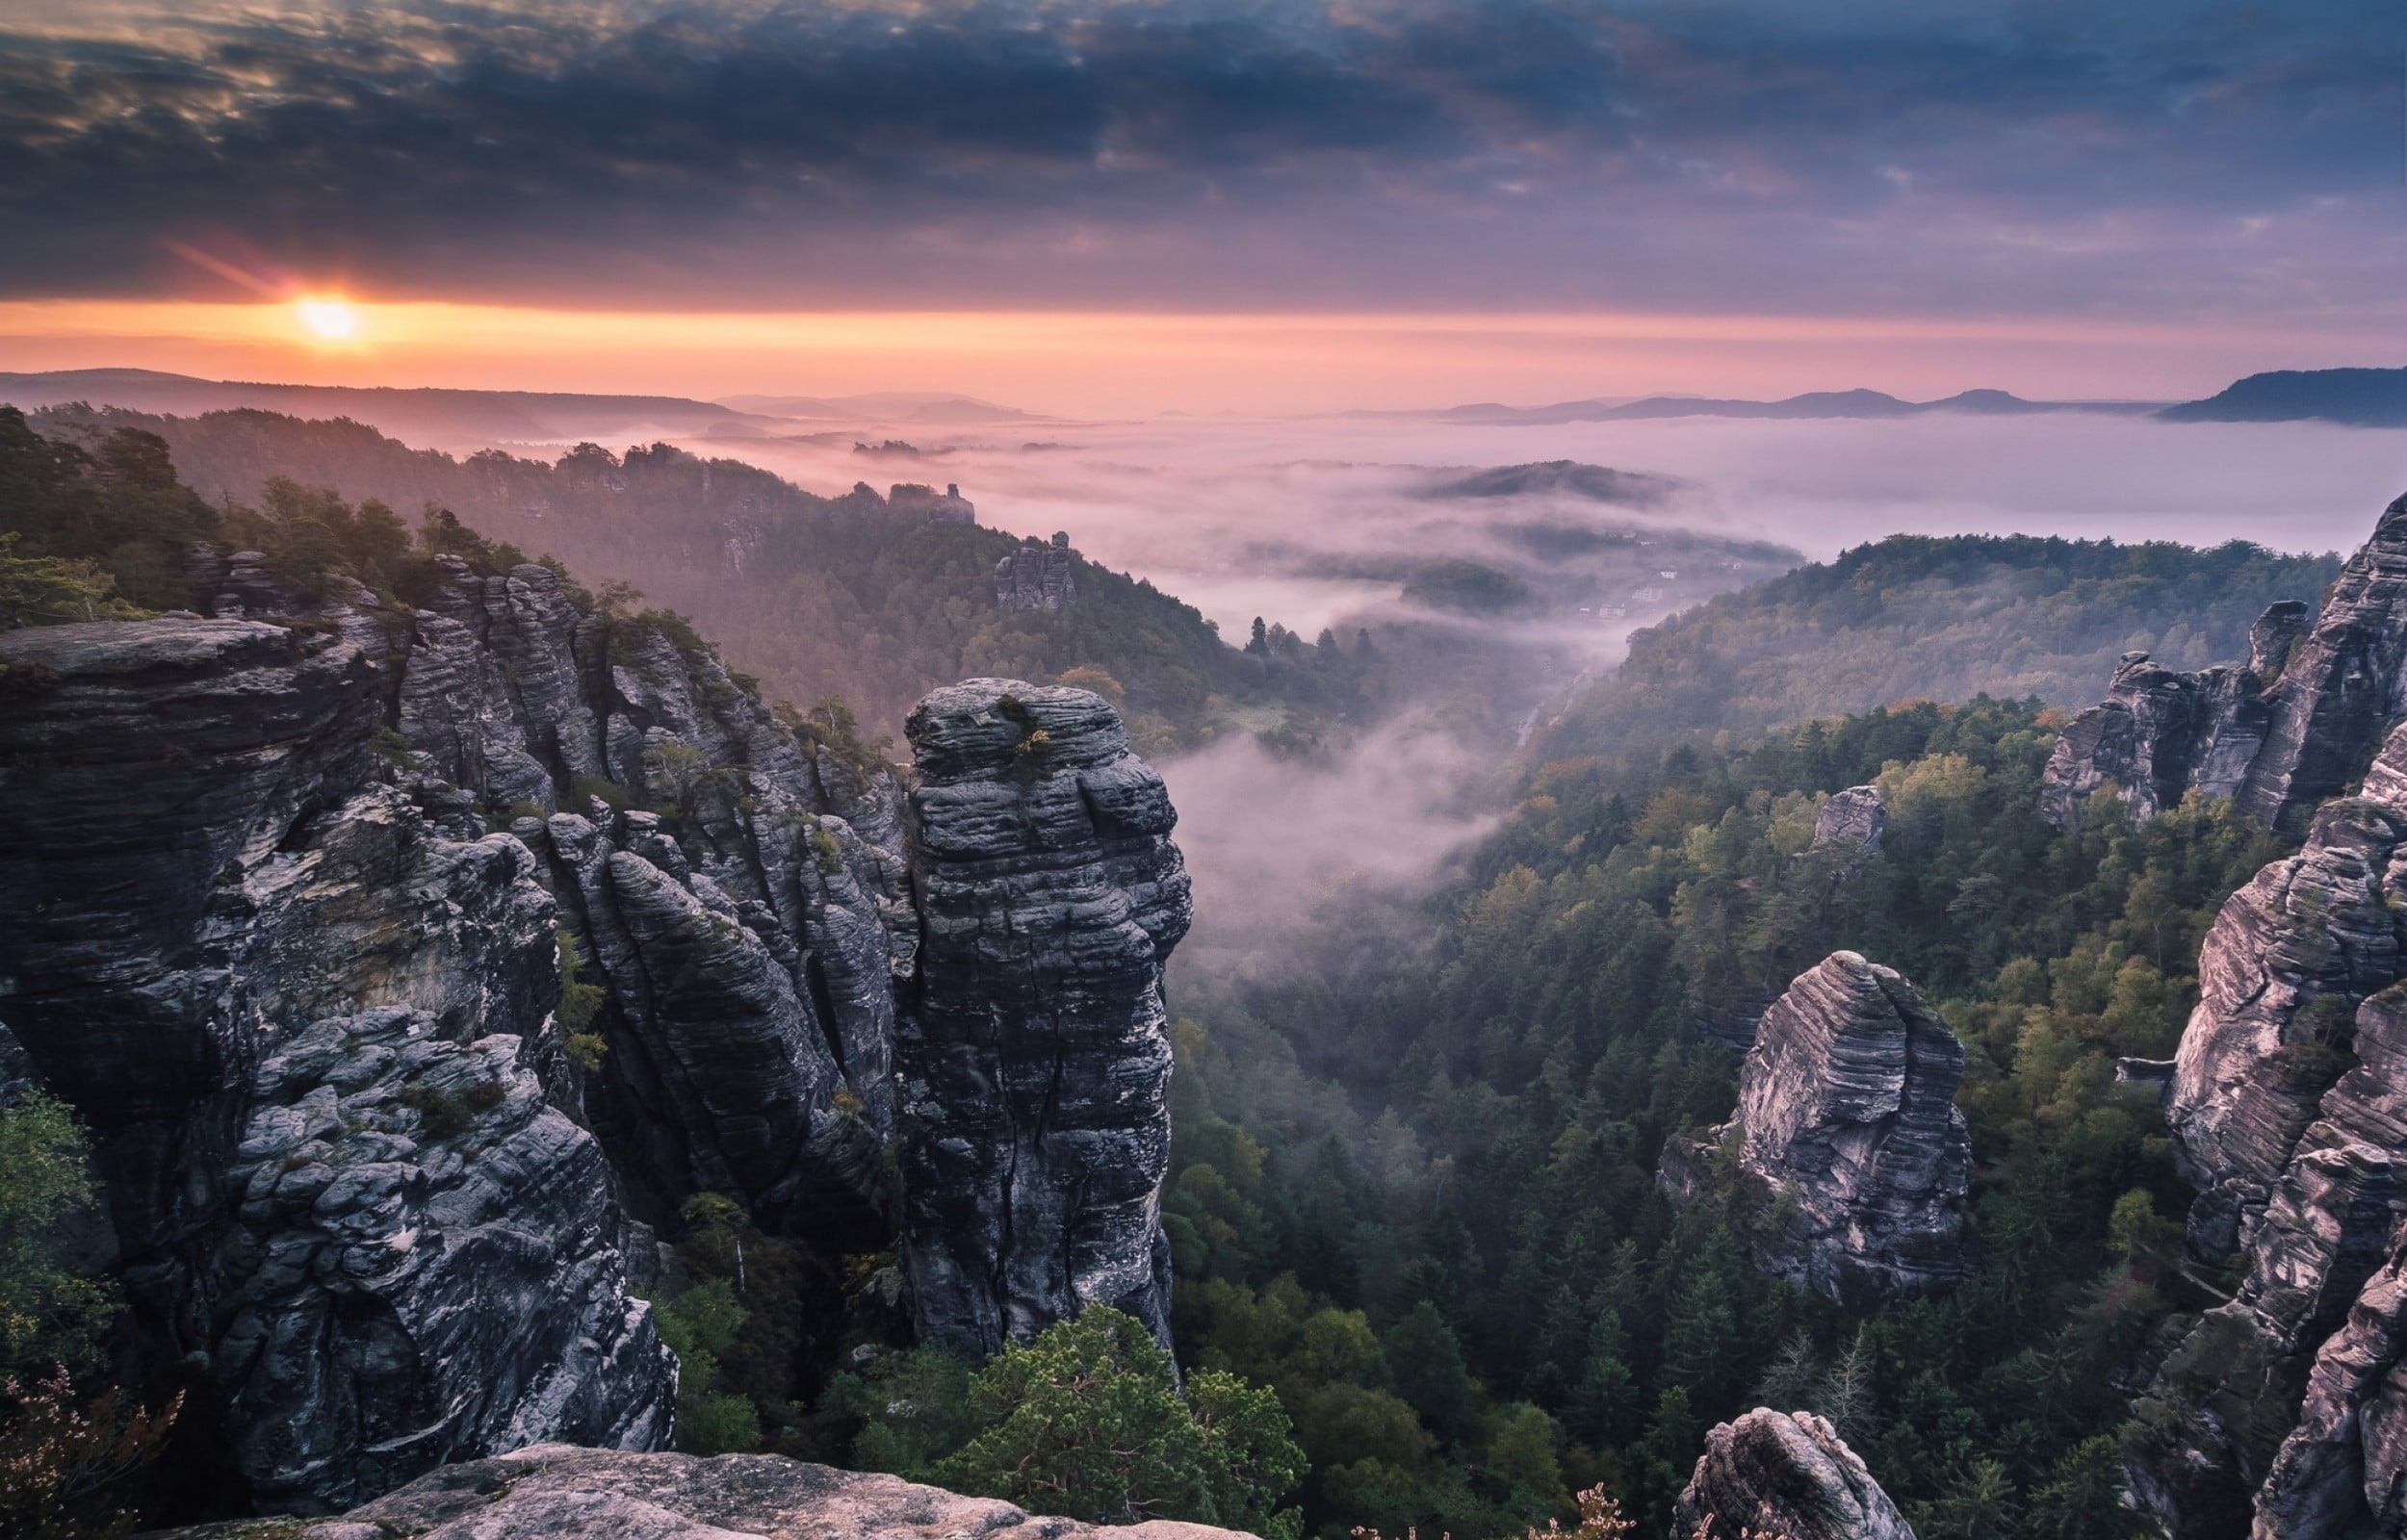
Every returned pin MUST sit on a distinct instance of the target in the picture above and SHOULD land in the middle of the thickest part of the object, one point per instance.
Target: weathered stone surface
(2344, 685)
(552, 1490)
(1787, 1474)
(1036, 577)
(1846, 1124)
(2160, 735)
(2279, 735)
(2280, 975)
(1853, 817)
(1034, 1058)
(2289, 1109)
(424, 1267)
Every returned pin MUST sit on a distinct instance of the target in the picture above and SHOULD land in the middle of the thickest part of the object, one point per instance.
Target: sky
(1137, 205)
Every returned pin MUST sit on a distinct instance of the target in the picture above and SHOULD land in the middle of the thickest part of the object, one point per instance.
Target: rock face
(1036, 577)
(1786, 1475)
(1854, 818)
(1034, 1058)
(2289, 1112)
(2293, 727)
(424, 1264)
(1847, 1128)
(552, 1490)
(177, 908)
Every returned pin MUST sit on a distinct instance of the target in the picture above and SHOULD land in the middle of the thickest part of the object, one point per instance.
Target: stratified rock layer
(553, 1490)
(2289, 1109)
(1787, 1474)
(1846, 1115)
(425, 1265)
(2293, 727)
(1854, 818)
(1034, 1060)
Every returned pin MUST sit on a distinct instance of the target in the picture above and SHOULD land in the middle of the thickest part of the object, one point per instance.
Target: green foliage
(50, 1314)
(1086, 1421)
(1921, 616)
(701, 1326)
(834, 597)
(1451, 1132)
(49, 590)
(581, 1001)
(113, 507)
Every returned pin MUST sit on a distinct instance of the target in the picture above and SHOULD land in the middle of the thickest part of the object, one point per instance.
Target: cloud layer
(1848, 157)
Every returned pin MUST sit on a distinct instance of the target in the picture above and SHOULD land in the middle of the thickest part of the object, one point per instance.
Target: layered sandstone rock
(1854, 818)
(1036, 575)
(1787, 1474)
(1852, 1156)
(1034, 1059)
(2288, 1109)
(553, 1490)
(200, 864)
(2278, 735)
(424, 1267)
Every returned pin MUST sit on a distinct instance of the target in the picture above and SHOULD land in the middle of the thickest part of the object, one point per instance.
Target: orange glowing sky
(1119, 364)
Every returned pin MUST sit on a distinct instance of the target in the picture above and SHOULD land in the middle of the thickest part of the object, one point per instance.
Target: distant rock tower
(1036, 577)
(949, 507)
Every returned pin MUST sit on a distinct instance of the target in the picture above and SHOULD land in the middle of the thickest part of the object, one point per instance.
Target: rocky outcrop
(1034, 1058)
(200, 864)
(1853, 819)
(2289, 1112)
(2293, 726)
(949, 507)
(552, 1490)
(425, 1267)
(1787, 1474)
(1851, 1158)
(1036, 575)
(2159, 735)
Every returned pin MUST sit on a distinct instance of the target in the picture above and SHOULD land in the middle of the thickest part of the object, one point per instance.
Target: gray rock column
(1034, 1058)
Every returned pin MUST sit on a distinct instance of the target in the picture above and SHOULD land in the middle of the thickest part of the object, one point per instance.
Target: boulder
(1785, 1474)
(1852, 1161)
(550, 1490)
(1854, 818)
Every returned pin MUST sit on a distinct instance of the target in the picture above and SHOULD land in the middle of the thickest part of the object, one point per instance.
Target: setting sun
(332, 320)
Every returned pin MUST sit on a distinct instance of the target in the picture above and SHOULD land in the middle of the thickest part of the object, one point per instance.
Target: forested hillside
(1942, 618)
(848, 597)
(1415, 1190)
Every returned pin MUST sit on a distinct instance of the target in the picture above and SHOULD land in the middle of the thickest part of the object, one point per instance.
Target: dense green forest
(1925, 617)
(1414, 1186)
(844, 597)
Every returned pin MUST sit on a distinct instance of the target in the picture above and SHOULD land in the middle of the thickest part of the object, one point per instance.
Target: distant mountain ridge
(1853, 403)
(2363, 397)
(461, 418)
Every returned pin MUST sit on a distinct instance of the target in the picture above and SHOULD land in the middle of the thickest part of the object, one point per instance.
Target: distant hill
(1921, 617)
(883, 407)
(447, 417)
(1854, 403)
(2363, 397)
(860, 595)
(1598, 483)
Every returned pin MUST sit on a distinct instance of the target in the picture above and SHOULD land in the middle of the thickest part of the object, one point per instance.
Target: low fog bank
(1273, 844)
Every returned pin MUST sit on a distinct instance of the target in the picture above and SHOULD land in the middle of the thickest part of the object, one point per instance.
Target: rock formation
(1786, 1475)
(1034, 1059)
(1854, 818)
(2289, 1112)
(1853, 1159)
(178, 906)
(952, 507)
(424, 1264)
(2293, 727)
(1036, 577)
(552, 1490)
(260, 926)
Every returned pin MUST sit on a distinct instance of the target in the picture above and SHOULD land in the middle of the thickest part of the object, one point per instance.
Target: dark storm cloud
(1523, 151)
